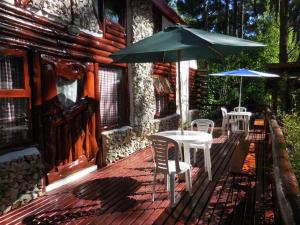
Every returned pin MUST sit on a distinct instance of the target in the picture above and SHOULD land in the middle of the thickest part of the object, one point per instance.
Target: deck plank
(121, 193)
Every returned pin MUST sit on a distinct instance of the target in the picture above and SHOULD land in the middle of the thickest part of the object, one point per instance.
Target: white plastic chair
(207, 126)
(240, 118)
(168, 167)
(240, 109)
(224, 120)
(228, 121)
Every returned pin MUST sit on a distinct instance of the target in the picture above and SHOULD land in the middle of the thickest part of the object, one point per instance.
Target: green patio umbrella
(177, 43)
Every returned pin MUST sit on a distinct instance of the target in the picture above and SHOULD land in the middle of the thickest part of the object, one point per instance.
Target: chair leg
(188, 181)
(167, 181)
(208, 163)
(195, 155)
(172, 189)
(223, 126)
(205, 160)
(153, 188)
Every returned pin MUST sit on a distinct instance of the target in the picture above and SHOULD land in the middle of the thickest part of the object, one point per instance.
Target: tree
(235, 18)
(227, 16)
(239, 18)
(283, 43)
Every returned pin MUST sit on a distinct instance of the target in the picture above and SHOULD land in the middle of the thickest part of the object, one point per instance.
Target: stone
(57, 8)
(6, 209)
(16, 204)
(34, 195)
(25, 198)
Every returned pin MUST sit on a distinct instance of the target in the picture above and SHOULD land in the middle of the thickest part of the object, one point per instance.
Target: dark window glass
(68, 91)
(112, 97)
(11, 72)
(114, 10)
(163, 90)
(14, 123)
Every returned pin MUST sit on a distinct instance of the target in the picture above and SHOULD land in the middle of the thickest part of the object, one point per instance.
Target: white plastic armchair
(240, 109)
(204, 125)
(240, 118)
(228, 122)
(224, 120)
(160, 147)
(207, 126)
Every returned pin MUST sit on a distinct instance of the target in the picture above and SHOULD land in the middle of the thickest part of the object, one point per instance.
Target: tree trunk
(283, 40)
(235, 13)
(227, 17)
(283, 50)
(205, 15)
(254, 8)
(242, 20)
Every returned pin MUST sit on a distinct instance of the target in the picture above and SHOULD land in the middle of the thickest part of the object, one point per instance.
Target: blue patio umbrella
(244, 73)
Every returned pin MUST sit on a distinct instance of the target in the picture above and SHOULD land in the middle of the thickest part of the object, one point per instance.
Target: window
(14, 99)
(68, 91)
(112, 10)
(113, 98)
(63, 80)
(163, 91)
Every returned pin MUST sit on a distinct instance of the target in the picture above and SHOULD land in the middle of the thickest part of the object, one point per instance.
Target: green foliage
(291, 130)
(225, 90)
(260, 23)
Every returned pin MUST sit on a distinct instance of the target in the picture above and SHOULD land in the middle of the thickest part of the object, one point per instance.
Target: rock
(6, 209)
(25, 198)
(34, 195)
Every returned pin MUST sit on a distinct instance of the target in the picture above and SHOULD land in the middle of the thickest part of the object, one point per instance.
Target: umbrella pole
(179, 91)
(240, 98)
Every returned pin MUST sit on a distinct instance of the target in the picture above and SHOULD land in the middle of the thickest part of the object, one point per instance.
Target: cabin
(65, 108)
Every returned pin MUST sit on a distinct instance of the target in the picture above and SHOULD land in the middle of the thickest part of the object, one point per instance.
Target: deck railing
(287, 194)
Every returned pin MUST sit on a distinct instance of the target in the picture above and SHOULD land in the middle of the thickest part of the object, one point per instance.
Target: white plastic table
(187, 138)
(246, 115)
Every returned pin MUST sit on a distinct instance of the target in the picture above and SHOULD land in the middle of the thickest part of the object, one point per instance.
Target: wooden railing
(287, 194)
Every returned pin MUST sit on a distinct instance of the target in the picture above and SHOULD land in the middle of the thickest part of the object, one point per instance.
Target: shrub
(291, 130)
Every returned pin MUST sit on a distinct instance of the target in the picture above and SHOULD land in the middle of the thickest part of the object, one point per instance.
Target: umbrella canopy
(177, 43)
(193, 44)
(244, 73)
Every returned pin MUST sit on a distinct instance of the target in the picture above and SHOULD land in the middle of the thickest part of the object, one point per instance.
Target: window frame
(68, 69)
(101, 6)
(165, 92)
(124, 104)
(19, 93)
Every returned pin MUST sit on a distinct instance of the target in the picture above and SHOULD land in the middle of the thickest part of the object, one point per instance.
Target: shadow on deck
(240, 192)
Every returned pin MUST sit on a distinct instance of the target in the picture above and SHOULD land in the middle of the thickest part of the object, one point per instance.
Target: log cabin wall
(198, 88)
(67, 45)
(66, 136)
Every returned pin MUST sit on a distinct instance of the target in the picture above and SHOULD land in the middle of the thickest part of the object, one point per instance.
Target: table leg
(187, 154)
(208, 161)
(187, 159)
(246, 125)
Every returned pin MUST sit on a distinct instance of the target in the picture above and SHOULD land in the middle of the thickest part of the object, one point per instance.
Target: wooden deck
(121, 193)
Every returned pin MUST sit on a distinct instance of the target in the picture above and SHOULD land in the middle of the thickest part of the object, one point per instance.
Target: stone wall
(58, 8)
(60, 11)
(142, 104)
(119, 143)
(20, 178)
